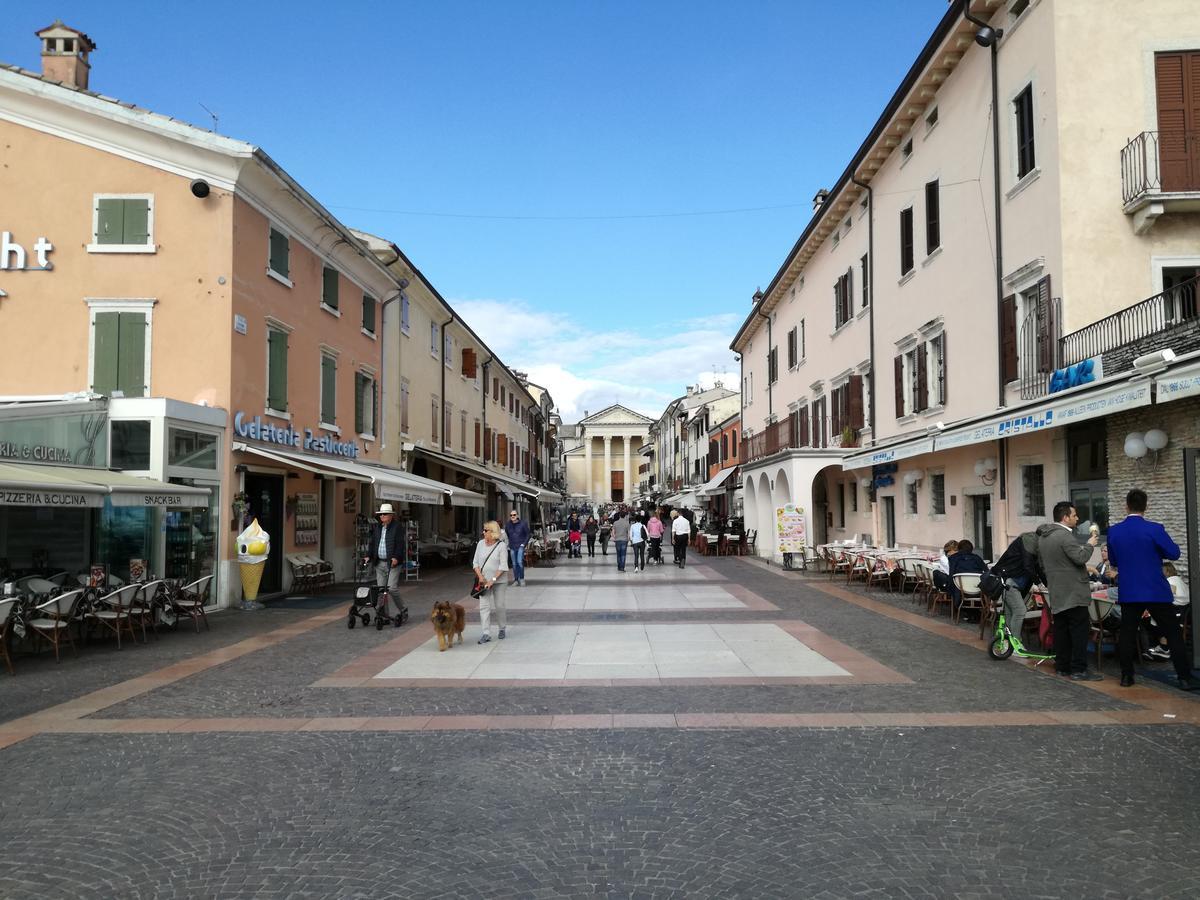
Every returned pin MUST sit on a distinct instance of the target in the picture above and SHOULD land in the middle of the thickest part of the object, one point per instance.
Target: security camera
(200, 188)
(1155, 360)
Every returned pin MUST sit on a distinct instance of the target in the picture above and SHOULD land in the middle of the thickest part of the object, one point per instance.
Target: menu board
(790, 529)
(308, 520)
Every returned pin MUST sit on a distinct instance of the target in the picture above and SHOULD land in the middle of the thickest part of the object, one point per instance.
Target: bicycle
(1004, 645)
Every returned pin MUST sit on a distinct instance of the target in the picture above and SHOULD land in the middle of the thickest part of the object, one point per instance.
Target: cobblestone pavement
(238, 763)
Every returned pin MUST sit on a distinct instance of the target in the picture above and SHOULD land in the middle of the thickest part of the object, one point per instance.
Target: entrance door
(1191, 496)
(617, 486)
(982, 519)
(265, 493)
(889, 521)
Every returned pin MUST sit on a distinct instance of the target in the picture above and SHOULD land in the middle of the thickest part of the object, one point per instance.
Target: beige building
(603, 467)
(857, 410)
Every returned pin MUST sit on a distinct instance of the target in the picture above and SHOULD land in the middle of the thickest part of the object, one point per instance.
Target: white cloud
(589, 369)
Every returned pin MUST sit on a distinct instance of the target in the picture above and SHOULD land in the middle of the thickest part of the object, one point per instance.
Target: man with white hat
(385, 549)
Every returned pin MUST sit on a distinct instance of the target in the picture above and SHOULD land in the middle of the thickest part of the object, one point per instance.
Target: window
(937, 494)
(328, 389)
(906, 241)
(122, 224)
(329, 288)
(906, 150)
(277, 375)
(495, 390)
(434, 347)
(866, 280)
(792, 348)
(279, 251)
(733, 445)
(433, 407)
(773, 365)
(1023, 108)
(191, 449)
(130, 445)
(910, 498)
(748, 388)
(120, 352)
(447, 413)
(448, 349)
(852, 490)
(933, 218)
(802, 339)
(365, 404)
(937, 368)
(843, 300)
(931, 119)
(478, 440)
(404, 313)
(368, 318)
(403, 406)
(1033, 491)
(462, 432)
(724, 451)
(841, 504)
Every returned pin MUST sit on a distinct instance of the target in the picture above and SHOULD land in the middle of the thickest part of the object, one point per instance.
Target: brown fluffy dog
(448, 620)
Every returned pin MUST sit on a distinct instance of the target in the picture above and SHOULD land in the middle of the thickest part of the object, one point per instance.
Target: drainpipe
(383, 363)
(870, 276)
(442, 411)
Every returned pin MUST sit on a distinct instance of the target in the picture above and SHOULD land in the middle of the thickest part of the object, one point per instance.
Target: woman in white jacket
(491, 568)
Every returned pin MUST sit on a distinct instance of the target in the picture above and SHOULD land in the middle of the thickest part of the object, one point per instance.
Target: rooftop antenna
(215, 118)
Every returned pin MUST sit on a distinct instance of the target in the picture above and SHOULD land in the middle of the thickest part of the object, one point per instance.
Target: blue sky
(542, 162)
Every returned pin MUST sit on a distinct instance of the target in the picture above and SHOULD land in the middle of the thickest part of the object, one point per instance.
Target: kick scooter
(1004, 645)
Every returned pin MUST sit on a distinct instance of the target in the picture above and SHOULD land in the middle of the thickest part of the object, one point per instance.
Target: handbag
(477, 588)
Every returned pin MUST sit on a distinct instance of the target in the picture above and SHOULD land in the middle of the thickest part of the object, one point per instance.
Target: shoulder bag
(477, 587)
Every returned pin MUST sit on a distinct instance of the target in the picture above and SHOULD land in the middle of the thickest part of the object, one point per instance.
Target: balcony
(1168, 319)
(1160, 176)
(1040, 352)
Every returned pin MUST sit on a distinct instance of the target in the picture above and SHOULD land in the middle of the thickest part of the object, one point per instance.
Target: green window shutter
(368, 322)
(104, 352)
(329, 287)
(136, 229)
(359, 425)
(279, 253)
(131, 354)
(374, 405)
(328, 389)
(110, 218)
(277, 370)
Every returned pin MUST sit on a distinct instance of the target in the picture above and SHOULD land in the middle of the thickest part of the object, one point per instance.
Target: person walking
(491, 568)
(620, 533)
(654, 531)
(590, 529)
(681, 533)
(1138, 548)
(516, 530)
(384, 555)
(637, 537)
(1064, 561)
(605, 534)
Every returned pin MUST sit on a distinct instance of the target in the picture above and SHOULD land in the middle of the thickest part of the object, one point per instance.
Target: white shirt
(680, 525)
(637, 533)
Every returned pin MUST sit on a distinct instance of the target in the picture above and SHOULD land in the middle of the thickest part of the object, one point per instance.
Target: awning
(389, 483)
(72, 486)
(509, 487)
(900, 450)
(686, 499)
(714, 484)
(1180, 382)
(504, 490)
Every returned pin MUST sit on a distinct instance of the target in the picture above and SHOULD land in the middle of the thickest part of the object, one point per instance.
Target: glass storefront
(122, 535)
(190, 549)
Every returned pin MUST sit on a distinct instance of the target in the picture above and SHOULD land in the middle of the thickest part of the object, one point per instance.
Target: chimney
(819, 199)
(690, 390)
(65, 55)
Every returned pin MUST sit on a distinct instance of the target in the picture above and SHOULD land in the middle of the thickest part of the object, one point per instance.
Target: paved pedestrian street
(728, 730)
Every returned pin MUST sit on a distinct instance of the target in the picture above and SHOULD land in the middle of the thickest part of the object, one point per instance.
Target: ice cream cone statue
(254, 546)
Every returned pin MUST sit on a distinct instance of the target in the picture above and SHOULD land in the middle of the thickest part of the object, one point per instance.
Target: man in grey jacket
(1064, 560)
(620, 533)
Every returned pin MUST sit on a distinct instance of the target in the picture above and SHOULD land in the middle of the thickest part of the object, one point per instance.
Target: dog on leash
(448, 620)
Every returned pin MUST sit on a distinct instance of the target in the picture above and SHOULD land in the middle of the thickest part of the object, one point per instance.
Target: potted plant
(849, 437)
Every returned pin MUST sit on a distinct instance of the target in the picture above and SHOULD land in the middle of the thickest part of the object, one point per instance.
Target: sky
(597, 187)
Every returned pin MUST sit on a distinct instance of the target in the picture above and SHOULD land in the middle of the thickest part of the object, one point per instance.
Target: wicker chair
(7, 607)
(115, 610)
(51, 620)
(190, 600)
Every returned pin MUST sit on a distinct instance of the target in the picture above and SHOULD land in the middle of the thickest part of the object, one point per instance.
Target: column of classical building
(627, 492)
(606, 487)
(588, 479)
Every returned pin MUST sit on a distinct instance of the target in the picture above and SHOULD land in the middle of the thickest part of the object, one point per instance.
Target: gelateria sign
(258, 430)
(13, 257)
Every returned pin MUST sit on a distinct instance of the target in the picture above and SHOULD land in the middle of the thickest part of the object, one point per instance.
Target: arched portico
(786, 477)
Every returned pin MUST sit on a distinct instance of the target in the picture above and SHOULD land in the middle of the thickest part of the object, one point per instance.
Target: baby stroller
(576, 538)
(370, 597)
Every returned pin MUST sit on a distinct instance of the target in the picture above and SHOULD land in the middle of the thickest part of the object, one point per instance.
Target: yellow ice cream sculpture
(254, 546)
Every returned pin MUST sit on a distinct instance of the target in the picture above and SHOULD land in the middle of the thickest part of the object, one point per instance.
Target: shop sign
(1178, 384)
(1079, 374)
(888, 454)
(79, 439)
(34, 452)
(69, 499)
(13, 257)
(152, 501)
(257, 429)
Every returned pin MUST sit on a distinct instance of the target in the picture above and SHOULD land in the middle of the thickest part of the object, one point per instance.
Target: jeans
(621, 546)
(656, 549)
(1014, 607)
(591, 545)
(517, 563)
(1071, 627)
(1165, 618)
(639, 555)
(604, 544)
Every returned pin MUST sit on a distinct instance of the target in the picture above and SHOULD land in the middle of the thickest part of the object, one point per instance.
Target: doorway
(265, 502)
(889, 521)
(820, 504)
(981, 518)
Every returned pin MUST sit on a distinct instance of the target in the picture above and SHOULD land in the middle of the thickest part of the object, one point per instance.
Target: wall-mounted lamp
(986, 470)
(865, 482)
(1143, 449)
(914, 476)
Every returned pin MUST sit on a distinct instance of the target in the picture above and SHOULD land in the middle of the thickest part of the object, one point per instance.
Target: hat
(385, 509)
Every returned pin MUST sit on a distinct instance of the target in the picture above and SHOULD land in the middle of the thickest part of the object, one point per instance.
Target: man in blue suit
(1137, 548)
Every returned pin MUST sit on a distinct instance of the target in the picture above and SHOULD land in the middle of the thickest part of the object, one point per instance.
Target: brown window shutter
(899, 370)
(922, 378)
(945, 372)
(1008, 338)
(476, 439)
(849, 294)
(856, 415)
(487, 445)
(802, 426)
(1177, 85)
(495, 390)
(468, 362)
(1045, 331)
(835, 396)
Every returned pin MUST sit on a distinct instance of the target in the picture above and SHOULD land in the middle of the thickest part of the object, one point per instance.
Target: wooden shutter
(836, 397)
(277, 397)
(368, 313)
(866, 280)
(105, 339)
(110, 216)
(945, 385)
(898, 366)
(359, 404)
(131, 354)
(328, 390)
(468, 362)
(922, 378)
(1045, 330)
(802, 418)
(278, 259)
(1008, 339)
(1177, 84)
(329, 287)
(487, 445)
(135, 226)
(849, 294)
(495, 390)
(856, 415)
(502, 451)
(933, 223)
(476, 439)
(906, 240)
(374, 405)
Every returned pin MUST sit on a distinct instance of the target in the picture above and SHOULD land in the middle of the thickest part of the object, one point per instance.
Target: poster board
(308, 520)
(790, 529)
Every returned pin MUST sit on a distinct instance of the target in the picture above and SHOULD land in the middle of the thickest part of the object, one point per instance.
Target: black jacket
(1019, 562)
(393, 542)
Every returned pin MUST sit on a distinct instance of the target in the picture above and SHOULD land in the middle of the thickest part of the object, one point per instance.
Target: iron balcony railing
(1164, 311)
(1039, 347)
(788, 434)
(1142, 169)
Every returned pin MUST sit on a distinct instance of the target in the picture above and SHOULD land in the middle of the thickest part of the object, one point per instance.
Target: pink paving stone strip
(750, 599)
(643, 720)
(582, 721)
